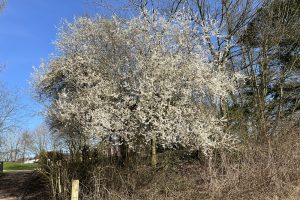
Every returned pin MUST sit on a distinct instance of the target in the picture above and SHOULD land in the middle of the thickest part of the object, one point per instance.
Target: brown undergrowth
(260, 170)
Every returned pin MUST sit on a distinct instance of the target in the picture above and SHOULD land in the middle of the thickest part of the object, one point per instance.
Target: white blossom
(136, 78)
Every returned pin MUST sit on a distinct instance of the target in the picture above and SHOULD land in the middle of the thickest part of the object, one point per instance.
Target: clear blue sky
(27, 30)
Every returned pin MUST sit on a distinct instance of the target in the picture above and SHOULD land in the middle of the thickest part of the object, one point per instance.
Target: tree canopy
(142, 79)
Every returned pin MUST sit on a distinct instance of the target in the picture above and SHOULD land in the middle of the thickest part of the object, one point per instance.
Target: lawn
(14, 166)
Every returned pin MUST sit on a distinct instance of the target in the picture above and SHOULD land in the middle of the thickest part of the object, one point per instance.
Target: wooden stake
(153, 151)
(75, 190)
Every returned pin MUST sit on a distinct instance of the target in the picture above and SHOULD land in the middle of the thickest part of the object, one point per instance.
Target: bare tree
(8, 110)
(2, 4)
(10, 115)
(26, 144)
(10, 118)
(270, 58)
(41, 139)
(10, 147)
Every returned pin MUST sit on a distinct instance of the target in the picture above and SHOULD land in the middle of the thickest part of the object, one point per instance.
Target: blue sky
(27, 30)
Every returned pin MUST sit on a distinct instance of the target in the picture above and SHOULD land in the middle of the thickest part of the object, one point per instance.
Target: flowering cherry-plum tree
(144, 80)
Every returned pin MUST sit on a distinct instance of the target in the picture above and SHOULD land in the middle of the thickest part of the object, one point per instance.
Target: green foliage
(15, 166)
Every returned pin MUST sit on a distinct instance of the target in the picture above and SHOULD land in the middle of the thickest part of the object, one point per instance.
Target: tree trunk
(24, 150)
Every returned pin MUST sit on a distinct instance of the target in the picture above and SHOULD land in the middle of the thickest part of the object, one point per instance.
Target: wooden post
(153, 151)
(75, 190)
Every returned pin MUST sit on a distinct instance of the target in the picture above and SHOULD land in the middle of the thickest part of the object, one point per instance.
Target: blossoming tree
(144, 80)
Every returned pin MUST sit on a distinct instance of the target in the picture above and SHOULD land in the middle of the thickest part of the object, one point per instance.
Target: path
(24, 185)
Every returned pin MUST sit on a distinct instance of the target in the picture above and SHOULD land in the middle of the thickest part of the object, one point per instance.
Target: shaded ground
(25, 185)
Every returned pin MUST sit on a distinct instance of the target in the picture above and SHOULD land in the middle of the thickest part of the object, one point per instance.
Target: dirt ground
(22, 185)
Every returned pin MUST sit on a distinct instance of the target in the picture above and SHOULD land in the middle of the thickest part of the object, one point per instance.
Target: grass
(15, 166)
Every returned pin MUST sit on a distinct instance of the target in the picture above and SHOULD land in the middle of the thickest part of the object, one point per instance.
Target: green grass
(15, 166)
